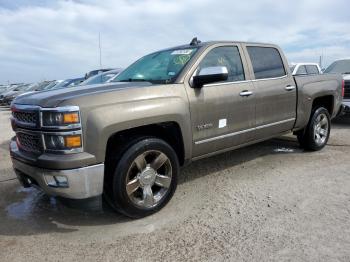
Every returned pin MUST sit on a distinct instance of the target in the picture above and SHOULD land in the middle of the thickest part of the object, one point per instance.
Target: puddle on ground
(34, 212)
(34, 199)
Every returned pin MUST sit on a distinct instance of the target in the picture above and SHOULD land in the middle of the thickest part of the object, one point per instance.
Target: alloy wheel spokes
(140, 162)
(163, 181)
(321, 129)
(324, 121)
(159, 161)
(132, 186)
(148, 198)
(323, 132)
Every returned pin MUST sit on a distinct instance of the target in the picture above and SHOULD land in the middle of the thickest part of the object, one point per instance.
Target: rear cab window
(266, 61)
(312, 70)
(301, 70)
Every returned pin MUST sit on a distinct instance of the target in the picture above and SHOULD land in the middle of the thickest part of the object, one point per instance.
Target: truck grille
(25, 117)
(347, 90)
(29, 142)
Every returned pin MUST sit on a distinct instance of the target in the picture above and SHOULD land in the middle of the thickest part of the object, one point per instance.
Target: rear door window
(312, 70)
(267, 62)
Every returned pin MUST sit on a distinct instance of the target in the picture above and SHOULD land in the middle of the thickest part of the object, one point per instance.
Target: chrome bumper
(80, 183)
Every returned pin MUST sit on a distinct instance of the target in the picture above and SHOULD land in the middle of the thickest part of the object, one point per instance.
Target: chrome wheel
(148, 179)
(321, 129)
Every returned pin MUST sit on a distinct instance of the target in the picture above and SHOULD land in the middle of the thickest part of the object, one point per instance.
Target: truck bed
(312, 86)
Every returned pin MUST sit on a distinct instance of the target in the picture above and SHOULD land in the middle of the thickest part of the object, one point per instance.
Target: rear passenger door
(275, 91)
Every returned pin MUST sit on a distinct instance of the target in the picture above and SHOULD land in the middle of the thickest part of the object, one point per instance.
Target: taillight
(342, 88)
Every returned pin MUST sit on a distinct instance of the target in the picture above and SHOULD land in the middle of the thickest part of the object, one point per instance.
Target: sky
(59, 39)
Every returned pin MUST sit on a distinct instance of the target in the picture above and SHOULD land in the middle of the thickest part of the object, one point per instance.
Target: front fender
(104, 121)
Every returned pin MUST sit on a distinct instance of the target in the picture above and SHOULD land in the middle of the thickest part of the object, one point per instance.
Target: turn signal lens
(73, 141)
(71, 118)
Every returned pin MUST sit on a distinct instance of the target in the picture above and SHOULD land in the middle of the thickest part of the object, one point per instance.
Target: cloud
(59, 39)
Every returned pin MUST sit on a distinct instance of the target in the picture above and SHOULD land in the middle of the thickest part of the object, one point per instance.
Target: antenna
(195, 41)
(99, 46)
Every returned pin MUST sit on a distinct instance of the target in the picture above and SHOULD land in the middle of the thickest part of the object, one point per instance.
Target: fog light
(56, 181)
(73, 141)
(63, 142)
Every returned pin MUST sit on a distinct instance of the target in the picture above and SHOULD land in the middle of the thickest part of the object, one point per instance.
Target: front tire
(316, 134)
(145, 178)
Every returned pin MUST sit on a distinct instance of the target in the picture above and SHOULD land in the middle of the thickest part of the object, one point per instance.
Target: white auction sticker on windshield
(182, 52)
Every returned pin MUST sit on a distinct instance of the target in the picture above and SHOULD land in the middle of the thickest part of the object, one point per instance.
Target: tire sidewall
(120, 198)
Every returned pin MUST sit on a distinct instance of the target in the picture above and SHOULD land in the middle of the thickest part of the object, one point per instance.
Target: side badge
(204, 126)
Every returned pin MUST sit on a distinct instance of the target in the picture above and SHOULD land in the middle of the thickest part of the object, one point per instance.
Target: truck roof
(209, 43)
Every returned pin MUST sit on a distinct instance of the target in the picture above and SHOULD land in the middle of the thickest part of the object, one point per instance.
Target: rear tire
(315, 136)
(145, 178)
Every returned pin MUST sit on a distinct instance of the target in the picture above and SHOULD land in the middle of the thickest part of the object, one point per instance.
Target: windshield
(340, 67)
(21, 88)
(51, 85)
(292, 68)
(63, 84)
(29, 87)
(161, 67)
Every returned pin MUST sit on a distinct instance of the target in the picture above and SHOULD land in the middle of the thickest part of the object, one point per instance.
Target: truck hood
(53, 98)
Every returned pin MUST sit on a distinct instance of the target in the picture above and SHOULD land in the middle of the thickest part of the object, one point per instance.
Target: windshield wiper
(346, 73)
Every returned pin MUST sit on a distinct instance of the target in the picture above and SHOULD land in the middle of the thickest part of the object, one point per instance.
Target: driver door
(222, 114)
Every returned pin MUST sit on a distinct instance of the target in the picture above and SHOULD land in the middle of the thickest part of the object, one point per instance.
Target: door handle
(290, 88)
(246, 93)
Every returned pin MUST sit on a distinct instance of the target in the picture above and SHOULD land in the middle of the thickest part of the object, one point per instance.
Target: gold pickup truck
(127, 139)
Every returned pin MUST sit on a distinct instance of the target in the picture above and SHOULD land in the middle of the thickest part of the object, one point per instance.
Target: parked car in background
(9, 93)
(342, 66)
(52, 85)
(4, 88)
(9, 87)
(7, 97)
(305, 69)
(101, 78)
(128, 138)
(96, 72)
(66, 83)
(41, 85)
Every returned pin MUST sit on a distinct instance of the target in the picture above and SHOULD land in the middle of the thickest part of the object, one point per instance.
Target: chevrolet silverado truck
(127, 139)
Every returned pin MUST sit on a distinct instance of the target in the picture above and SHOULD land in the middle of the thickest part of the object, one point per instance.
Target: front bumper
(82, 182)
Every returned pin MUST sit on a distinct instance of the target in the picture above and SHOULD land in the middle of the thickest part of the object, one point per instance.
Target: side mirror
(209, 75)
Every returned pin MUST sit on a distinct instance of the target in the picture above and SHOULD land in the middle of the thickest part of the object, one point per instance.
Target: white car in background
(305, 69)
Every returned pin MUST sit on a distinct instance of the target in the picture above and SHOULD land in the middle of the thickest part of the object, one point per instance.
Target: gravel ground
(267, 202)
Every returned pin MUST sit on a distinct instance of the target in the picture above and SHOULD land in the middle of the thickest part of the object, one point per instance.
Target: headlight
(61, 117)
(63, 142)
